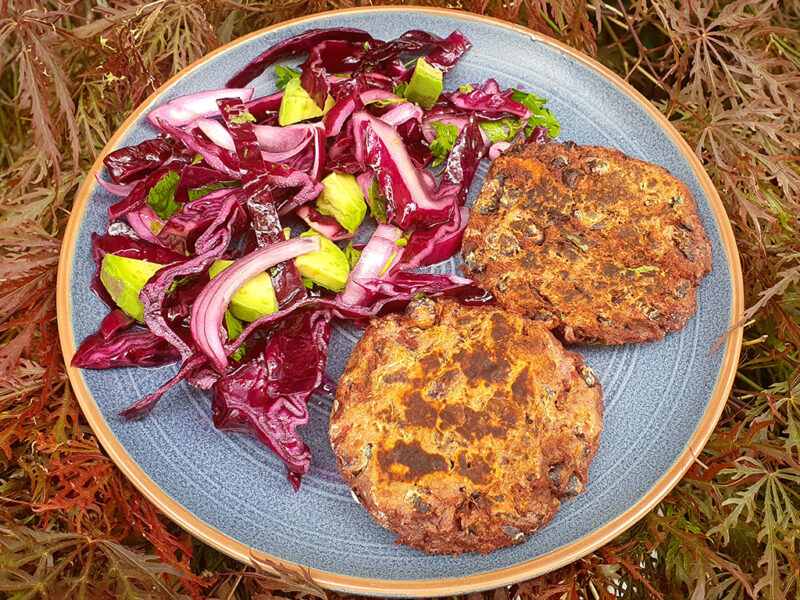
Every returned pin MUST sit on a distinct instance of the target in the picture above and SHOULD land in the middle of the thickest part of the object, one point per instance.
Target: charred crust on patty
(492, 425)
(594, 244)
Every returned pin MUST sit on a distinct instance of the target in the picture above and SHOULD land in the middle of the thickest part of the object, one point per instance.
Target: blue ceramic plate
(661, 400)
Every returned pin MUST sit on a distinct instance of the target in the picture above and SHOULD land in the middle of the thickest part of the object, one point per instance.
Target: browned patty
(594, 244)
(461, 429)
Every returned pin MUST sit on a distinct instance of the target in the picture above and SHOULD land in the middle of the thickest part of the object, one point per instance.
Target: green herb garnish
(162, 196)
(504, 130)
(446, 136)
(387, 102)
(377, 202)
(539, 114)
(234, 327)
(352, 255)
(211, 187)
(400, 89)
(284, 75)
(243, 117)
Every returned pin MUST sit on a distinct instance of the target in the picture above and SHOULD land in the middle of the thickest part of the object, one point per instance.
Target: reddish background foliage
(727, 75)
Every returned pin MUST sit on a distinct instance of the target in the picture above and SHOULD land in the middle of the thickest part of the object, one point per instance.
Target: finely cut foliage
(727, 73)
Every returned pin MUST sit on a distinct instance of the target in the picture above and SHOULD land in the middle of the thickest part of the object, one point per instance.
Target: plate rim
(426, 587)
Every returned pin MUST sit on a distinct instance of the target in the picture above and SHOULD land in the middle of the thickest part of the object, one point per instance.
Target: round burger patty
(461, 429)
(592, 243)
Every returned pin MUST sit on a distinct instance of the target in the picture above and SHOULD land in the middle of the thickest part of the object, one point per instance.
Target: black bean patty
(462, 429)
(592, 243)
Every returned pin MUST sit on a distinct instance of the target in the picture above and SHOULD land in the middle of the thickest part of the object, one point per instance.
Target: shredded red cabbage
(267, 396)
(383, 57)
(138, 348)
(132, 163)
(408, 202)
(325, 224)
(255, 179)
(330, 56)
(488, 100)
(293, 46)
(186, 109)
(181, 231)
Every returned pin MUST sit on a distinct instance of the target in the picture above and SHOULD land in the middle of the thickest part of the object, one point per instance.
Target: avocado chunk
(297, 105)
(327, 267)
(235, 328)
(342, 199)
(124, 279)
(254, 300)
(425, 85)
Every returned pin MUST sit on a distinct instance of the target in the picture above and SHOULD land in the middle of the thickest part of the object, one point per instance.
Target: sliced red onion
(209, 153)
(377, 95)
(427, 180)
(497, 149)
(318, 142)
(260, 107)
(216, 132)
(118, 189)
(141, 221)
(404, 111)
(364, 181)
(449, 119)
(277, 143)
(326, 225)
(282, 139)
(209, 309)
(182, 111)
(399, 180)
(382, 250)
(278, 157)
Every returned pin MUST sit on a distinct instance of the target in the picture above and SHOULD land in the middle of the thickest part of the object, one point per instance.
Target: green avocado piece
(254, 300)
(425, 85)
(342, 199)
(297, 105)
(124, 279)
(327, 267)
(234, 327)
